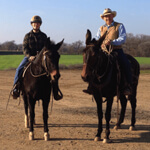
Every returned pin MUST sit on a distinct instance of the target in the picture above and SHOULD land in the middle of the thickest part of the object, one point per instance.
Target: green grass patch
(68, 60)
(12, 61)
(144, 71)
(143, 60)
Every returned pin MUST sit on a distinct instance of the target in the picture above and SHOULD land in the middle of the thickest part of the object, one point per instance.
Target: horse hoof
(117, 127)
(31, 136)
(132, 128)
(97, 139)
(106, 141)
(46, 136)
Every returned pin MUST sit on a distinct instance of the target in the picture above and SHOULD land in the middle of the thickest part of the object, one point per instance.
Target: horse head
(51, 58)
(90, 55)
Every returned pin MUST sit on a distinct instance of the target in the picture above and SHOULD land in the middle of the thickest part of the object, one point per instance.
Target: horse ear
(101, 39)
(58, 45)
(88, 37)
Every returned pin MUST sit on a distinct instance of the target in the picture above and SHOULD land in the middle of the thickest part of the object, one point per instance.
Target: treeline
(136, 45)
(10, 45)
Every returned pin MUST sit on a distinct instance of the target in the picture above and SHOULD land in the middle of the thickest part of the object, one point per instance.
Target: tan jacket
(112, 34)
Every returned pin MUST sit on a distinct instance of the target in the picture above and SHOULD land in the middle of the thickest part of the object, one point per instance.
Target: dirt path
(73, 122)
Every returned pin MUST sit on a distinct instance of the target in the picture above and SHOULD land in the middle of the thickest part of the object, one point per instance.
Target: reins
(35, 76)
(38, 75)
(99, 77)
(44, 64)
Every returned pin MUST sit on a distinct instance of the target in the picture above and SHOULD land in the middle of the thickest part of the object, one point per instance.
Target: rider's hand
(31, 58)
(108, 42)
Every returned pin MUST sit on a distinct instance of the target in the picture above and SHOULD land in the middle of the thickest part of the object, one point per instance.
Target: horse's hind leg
(26, 112)
(108, 117)
(123, 102)
(45, 119)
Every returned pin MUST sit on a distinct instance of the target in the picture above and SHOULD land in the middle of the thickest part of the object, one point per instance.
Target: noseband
(44, 63)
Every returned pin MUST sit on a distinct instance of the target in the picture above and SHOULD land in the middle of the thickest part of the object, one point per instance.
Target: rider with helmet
(32, 44)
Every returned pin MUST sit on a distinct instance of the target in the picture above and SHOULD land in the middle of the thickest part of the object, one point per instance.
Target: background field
(12, 61)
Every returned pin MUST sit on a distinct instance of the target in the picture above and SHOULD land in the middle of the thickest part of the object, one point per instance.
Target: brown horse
(101, 72)
(37, 83)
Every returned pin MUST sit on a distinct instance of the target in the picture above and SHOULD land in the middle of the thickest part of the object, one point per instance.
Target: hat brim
(103, 15)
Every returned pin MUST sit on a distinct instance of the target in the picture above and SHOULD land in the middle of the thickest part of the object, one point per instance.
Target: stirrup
(59, 95)
(15, 93)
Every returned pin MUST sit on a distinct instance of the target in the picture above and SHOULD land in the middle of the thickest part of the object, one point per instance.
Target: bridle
(47, 73)
(94, 70)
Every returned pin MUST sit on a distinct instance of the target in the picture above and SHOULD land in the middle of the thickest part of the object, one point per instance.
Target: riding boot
(56, 91)
(88, 90)
(16, 90)
(127, 90)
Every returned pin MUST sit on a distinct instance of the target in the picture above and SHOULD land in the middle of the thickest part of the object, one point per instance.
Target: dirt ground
(73, 122)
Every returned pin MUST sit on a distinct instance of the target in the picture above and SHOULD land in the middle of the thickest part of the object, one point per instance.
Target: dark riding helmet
(36, 19)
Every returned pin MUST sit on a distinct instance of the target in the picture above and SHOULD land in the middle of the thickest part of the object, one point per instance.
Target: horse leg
(45, 119)
(133, 100)
(32, 116)
(26, 112)
(123, 102)
(108, 117)
(98, 100)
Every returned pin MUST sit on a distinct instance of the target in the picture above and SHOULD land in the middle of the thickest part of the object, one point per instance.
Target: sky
(70, 19)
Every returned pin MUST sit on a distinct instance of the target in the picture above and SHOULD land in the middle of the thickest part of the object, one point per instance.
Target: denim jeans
(125, 65)
(19, 70)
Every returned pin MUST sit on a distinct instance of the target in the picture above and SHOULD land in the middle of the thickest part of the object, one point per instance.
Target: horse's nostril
(57, 76)
(84, 78)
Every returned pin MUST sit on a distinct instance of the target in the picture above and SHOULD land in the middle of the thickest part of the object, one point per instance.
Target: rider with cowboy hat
(115, 37)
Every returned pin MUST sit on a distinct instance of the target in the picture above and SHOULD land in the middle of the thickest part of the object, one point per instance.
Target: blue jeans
(125, 65)
(19, 70)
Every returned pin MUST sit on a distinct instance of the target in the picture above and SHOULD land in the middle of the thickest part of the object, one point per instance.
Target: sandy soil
(73, 122)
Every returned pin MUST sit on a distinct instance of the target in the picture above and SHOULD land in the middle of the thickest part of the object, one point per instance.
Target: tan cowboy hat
(108, 11)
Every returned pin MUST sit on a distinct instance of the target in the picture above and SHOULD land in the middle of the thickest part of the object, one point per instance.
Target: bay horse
(37, 84)
(101, 72)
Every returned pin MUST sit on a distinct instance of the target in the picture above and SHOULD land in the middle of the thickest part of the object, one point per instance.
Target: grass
(145, 71)
(143, 60)
(12, 61)
(71, 60)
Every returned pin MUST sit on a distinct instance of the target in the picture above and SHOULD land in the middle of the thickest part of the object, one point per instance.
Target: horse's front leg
(32, 117)
(108, 117)
(26, 119)
(98, 100)
(45, 119)
(133, 101)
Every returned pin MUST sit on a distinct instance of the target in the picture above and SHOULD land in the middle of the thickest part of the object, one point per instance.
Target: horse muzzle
(84, 74)
(55, 75)
(84, 78)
